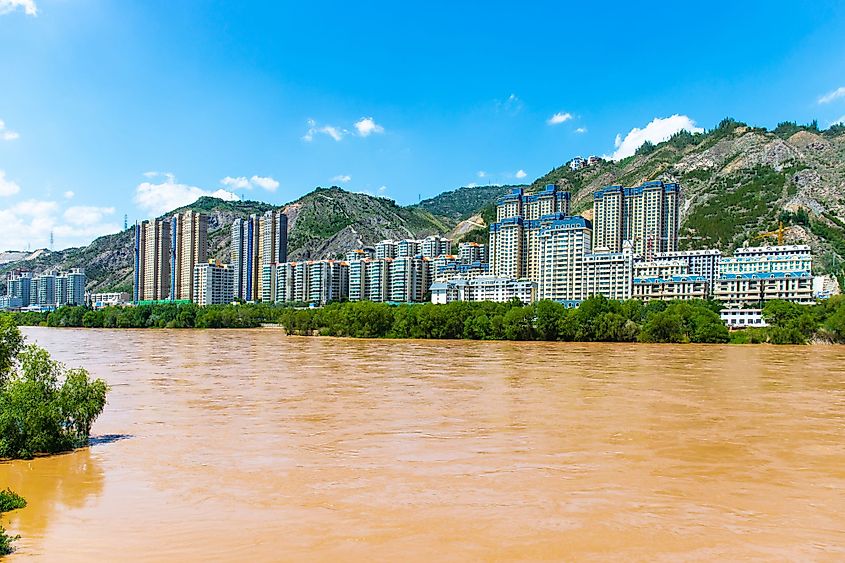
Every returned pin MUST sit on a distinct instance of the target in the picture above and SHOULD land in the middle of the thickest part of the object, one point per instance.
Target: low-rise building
(109, 299)
(743, 318)
(753, 288)
(670, 288)
(486, 288)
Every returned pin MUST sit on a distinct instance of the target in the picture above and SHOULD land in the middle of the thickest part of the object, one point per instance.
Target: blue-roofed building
(514, 249)
(648, 216)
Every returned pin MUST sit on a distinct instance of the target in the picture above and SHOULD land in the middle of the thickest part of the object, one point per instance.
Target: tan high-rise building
(152, 260)
(166, 252)
(189, 248)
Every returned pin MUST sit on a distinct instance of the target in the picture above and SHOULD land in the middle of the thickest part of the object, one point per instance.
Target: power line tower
(52, 240)
(125, 221)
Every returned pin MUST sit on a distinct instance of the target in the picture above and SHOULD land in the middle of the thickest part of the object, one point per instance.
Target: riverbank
(596, 320)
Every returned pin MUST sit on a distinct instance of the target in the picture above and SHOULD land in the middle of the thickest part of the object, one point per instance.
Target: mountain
(327, 222)
(738, 181)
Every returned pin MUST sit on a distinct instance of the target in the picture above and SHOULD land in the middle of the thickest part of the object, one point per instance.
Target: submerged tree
(45, 408)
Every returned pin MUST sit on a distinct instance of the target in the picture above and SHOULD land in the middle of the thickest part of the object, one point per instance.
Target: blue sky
(135, 107)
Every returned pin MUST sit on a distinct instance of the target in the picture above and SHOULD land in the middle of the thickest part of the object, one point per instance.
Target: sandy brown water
(248, 445)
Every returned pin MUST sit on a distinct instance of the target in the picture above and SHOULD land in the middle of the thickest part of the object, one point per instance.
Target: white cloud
(481, 174)
(244, 183)
(265, 182)
(85, 215)
(151, 174)
(366, 126)
(660, 129)
(69, 194)
(581, 130)
(157, 199)
(335, 133)
(7, 187)
(342, 178)
(559, 118)
(5, 133)
(382, 189)
(29, 7)
(30, 222)
(520, 174)
(239, 183)
(830, 96)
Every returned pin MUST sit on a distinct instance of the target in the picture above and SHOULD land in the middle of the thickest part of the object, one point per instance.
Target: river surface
(249, 445)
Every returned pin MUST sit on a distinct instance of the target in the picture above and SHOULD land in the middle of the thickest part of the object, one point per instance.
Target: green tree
(44, 407)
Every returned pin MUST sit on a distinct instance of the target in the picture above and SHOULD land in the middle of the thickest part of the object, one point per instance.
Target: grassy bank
(596, 320)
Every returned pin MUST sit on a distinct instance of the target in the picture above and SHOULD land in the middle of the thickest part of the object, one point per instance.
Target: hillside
(324, 223)
(460, 204)
(739, 181)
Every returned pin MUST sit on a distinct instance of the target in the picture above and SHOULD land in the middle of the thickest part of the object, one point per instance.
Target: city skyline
(268, 102)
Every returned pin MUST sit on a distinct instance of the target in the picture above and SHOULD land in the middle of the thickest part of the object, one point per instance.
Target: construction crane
(778, 233)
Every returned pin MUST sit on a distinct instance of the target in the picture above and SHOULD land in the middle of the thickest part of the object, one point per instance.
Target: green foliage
(786, 129)
(459, 204)
(45, 408)
(835, 130)
(742, 203)
(10, 500)
(646, 148)
(685, 321)
(11, 342)
(6, 542)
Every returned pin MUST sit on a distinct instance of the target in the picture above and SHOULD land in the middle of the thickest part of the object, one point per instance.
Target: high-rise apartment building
(18, 289)
(648, 216)
(273, 245)
(153, 245)
(385, 249)
(213, 284)
(514, 250)
(45, 291)
(434, 246)
(408, 247)
(409, 279)
(166, 251)
(469, 252)
(315, 281)
(188, 247)
(564, 243)
(245, 258)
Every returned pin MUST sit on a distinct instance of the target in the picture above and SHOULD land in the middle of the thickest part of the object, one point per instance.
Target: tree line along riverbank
(596, 320)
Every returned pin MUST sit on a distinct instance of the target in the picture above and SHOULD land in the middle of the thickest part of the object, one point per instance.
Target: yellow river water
(253, 446)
